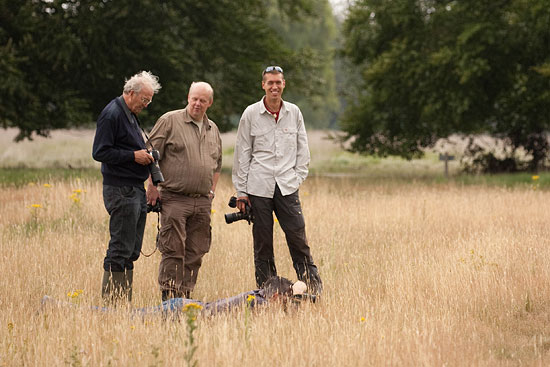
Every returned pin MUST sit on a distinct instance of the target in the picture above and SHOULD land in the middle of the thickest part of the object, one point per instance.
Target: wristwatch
(212, 193)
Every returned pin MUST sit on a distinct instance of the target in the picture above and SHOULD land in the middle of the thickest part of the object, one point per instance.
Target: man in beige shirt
(190, 150)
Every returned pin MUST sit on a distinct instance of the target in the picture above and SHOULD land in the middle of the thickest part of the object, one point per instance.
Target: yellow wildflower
(75, 198)
(191, 306)
(213, 211)
(36, 206)
(74, 294)
(536, 177)
(362, 319)
(47, 185)
(250, 298)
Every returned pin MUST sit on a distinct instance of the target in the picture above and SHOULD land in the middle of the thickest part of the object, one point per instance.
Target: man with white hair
(190, 151)
(119, 146)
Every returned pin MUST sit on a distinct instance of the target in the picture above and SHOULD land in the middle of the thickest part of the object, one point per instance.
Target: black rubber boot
(169, 294)
(113, 286)
(310, 275)
(129, 281)
(263, 271)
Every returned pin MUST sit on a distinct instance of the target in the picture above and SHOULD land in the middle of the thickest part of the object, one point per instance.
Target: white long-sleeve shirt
(269, 152)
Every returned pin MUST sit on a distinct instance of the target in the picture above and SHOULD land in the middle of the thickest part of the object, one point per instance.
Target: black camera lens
(233, 217)
(156, 174)
(154, 168)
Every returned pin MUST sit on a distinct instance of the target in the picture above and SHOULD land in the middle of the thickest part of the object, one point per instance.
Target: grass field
(418, 271)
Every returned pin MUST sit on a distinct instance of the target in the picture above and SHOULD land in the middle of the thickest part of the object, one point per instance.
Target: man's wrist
(211, 193)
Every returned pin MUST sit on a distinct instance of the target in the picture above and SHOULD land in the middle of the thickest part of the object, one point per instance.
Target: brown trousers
(184, 238)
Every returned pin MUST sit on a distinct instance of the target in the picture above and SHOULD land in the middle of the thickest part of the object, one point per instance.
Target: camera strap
(147, 140)
(156, 240)
(158, 214)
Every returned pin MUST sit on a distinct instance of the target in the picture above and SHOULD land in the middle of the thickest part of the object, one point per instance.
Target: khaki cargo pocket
(165, 234)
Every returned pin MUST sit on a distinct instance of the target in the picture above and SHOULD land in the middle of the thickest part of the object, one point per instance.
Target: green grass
(23, 176)
(428, 170)
(371, 171)
(506, 180)
(44, 160)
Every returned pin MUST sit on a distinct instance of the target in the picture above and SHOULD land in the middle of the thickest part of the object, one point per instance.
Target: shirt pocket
(290, 138)
(176, 146)
(213, 150)
(263, 138)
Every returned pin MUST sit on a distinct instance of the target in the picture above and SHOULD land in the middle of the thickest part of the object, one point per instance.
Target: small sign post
(446, 158)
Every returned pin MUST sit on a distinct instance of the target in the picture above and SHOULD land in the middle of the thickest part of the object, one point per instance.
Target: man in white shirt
(270, 163)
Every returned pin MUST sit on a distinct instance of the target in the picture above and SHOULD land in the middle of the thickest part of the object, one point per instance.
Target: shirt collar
(188, 119)
(264, 110)
(129, 114)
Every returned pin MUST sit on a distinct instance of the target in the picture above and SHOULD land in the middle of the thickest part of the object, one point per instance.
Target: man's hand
(152, 194)
(142, 157)
(240, 203)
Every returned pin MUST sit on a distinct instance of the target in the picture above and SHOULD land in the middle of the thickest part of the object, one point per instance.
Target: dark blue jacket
(116, 139)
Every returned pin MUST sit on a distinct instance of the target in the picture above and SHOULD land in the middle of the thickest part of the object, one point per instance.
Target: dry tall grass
(414, 275)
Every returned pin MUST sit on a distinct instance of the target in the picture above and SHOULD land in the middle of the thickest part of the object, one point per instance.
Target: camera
(154, 208)
(233, 217)
(154, 169)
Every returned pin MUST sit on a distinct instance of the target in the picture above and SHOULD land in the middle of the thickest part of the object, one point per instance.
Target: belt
(194, 196)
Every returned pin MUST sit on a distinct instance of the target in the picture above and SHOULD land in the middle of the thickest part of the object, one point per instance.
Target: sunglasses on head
(273, 68)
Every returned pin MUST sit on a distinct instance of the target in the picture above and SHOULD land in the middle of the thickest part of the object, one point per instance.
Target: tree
(65, 59)
(312, 37)
(431, 68)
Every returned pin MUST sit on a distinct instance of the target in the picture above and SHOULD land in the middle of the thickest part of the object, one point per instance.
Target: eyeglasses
(146, 101)
(273, 68)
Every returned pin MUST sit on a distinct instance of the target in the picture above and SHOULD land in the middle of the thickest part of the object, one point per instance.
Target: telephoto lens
(154, 169)
(233, 217)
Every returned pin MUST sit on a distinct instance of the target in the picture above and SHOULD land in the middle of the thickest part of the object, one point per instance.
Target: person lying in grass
(275, 290)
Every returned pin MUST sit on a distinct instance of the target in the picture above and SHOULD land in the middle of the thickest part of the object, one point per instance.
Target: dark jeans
(127, 207)
(289, 213)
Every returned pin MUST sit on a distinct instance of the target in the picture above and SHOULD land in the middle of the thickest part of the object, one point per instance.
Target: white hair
(136, 82)
(204, 85)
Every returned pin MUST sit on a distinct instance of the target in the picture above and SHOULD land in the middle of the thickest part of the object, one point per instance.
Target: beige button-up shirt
(269, 153)
(188, 157)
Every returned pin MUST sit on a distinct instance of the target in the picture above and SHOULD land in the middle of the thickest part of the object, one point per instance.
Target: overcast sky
(339, 7)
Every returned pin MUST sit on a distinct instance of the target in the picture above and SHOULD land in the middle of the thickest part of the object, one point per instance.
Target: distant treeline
(62, 61)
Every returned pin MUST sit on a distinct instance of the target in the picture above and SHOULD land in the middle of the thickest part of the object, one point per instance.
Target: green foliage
(311, 34)
(433, 68)
(65, 59)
